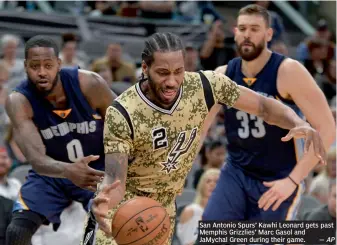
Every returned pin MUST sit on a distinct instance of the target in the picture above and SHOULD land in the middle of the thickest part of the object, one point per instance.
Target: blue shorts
(236, 198)
(50, 196)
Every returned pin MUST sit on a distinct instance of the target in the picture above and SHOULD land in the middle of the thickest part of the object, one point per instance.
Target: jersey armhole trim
(122, 110)
(209, 98)
(279, 96)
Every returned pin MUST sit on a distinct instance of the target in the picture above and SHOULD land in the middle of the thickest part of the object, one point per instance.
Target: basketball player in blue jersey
(58, 116)
(263, 175)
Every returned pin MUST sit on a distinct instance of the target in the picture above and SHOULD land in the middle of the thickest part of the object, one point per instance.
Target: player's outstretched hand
(101, 205)
(279, 191)
(311, 137)
(84, 176)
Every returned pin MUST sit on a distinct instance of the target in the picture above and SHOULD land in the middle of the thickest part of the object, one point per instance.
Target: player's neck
(151, 96)
(57, 97)
(252, 68)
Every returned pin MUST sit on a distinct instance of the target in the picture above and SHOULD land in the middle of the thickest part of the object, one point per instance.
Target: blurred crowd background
(107, 37)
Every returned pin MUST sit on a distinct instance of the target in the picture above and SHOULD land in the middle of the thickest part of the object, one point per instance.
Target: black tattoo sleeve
(116, 167)
(27, 137)
(276, 113)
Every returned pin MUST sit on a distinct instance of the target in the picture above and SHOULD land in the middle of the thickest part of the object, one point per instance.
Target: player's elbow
(264, 112)
(36, 166)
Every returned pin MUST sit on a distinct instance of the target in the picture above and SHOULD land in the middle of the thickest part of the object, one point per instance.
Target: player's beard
(155, 90)
(49, 91)
(249, 55)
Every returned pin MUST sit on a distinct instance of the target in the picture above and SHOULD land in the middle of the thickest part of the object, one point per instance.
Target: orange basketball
(141, 221)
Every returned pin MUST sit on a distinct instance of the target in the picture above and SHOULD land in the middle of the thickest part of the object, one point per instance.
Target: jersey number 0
(75, 150)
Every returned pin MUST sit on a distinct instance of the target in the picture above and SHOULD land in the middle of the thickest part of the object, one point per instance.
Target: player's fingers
(89, 159)
(99, 214)
(289, 136)
(100, 199)
(93, 181)
(264, 198)
(103, 226)
(268, 184)
(270, 202)
(96, 211)
(319, 149)
(106, 189)
(95, 172)
(308, 141)
(94, 178)
(277, 204)
(316, 145)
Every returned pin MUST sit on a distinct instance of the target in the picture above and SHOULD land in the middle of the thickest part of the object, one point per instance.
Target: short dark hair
(161, 42)
(43, 42)
(254, 9)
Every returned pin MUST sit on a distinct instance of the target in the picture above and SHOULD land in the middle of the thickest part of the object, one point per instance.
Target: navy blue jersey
(71, 133)
(254, 145)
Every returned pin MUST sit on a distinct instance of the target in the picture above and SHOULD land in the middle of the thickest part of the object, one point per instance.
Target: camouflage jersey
(162, 143)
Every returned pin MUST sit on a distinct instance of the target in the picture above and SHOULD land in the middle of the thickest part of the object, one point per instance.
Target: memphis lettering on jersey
(65, 128)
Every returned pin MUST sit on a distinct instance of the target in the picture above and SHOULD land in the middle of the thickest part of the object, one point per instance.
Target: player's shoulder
(88, 78)
(213, 77)
(127, 100)
(18, 106)
(290, 70)
(207, 78)
(221, 69)
(131, 96)
(91, 84)
(290, 65)
(197, 75)
(16, 98)
(191, 75)
(194, 81)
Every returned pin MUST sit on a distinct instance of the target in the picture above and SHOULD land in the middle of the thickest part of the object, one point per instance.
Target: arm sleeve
(117, 133)
(225, 91)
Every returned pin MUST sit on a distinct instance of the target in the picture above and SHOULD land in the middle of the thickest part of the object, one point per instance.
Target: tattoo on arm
(29, 140)
(116, 167)
(276, 113)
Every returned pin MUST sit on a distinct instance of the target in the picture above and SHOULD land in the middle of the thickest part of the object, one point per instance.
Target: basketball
(140, 221)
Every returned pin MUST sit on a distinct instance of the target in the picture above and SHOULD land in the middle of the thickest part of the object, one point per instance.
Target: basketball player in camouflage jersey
(154, 130)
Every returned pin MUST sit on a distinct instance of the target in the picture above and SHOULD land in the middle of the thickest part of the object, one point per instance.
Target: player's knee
(22, 227)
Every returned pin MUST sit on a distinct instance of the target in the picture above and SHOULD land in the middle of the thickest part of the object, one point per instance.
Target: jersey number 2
(244, 131)
(159, 138)
(75, 150)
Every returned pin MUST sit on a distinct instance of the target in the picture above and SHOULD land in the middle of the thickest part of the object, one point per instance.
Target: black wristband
(292, 180)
